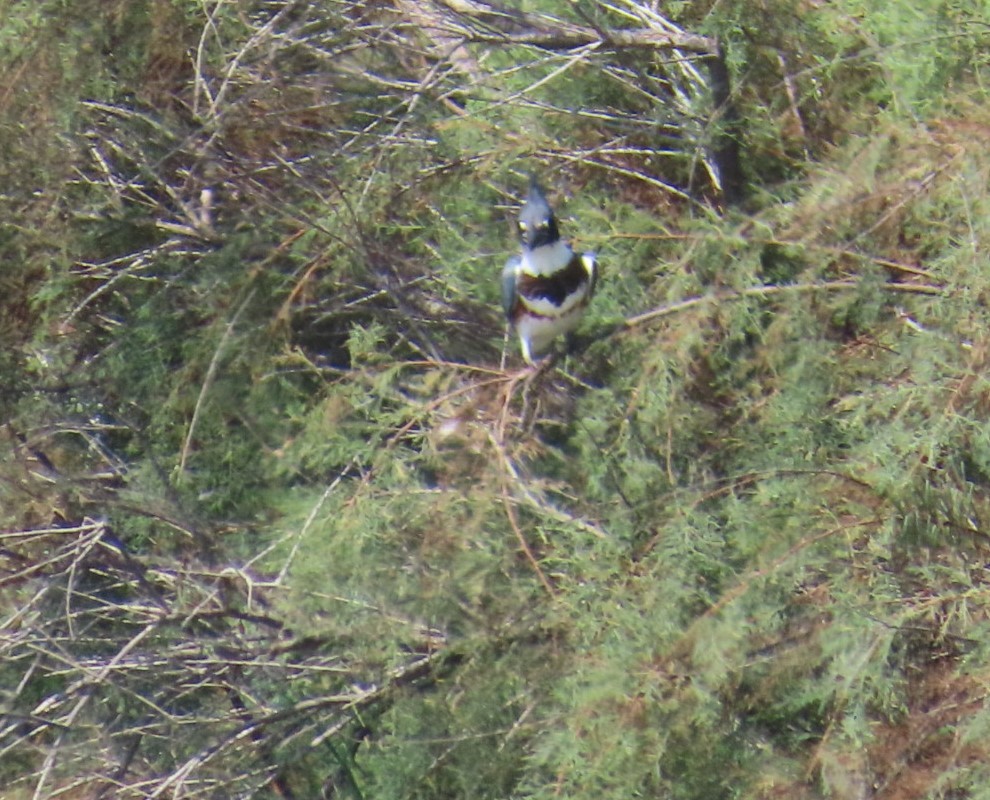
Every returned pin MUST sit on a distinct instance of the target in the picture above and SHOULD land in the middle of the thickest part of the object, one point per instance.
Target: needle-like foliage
(282, 515)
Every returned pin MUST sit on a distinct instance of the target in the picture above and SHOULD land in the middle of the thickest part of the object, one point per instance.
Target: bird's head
(537, 224)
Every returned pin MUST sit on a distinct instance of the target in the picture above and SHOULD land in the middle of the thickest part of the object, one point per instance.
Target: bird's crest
(537, 224)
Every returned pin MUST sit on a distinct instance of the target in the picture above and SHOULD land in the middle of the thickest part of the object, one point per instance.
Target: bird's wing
(591, 266)
(509, 274)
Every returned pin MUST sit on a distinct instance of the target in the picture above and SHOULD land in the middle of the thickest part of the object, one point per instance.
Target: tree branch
(579, 36)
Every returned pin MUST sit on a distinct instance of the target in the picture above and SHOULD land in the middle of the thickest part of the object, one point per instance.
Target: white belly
(541, 331)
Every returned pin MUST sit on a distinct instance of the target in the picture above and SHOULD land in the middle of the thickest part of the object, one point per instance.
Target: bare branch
(582, 37)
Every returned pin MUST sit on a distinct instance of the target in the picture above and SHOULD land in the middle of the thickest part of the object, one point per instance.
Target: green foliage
(277, 521)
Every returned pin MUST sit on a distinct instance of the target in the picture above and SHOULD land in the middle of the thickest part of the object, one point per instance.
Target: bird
(546, 288)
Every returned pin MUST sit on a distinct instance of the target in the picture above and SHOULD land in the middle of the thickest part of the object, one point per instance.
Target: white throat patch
(547, 259)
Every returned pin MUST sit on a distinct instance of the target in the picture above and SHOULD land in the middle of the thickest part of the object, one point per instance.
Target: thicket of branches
(283, 516)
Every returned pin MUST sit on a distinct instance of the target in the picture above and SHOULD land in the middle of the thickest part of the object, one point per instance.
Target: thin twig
(210, 377)
(510, 513)
(768, 291)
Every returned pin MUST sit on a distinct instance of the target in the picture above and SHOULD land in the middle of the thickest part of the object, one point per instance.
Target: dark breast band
(556, 287)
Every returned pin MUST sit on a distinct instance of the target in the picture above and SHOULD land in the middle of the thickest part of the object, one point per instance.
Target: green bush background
(282, 519)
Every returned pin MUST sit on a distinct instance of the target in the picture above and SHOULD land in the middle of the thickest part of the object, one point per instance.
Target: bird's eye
(522, 225)
(542, 224)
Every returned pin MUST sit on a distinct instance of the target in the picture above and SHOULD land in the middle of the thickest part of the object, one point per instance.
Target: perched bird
(544, 289)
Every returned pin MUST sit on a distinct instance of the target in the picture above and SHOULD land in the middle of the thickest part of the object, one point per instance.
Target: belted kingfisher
(546, 288)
